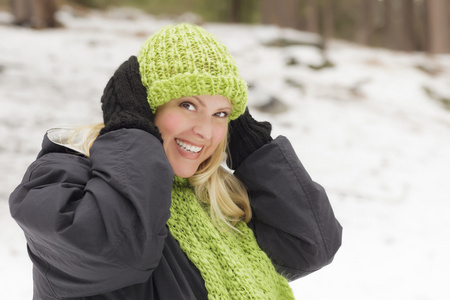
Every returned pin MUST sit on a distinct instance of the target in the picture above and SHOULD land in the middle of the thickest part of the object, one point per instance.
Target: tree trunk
(364, 26)
(409, 41)
(328, 19)
(290, 13)
(392, 29)
(21, 10)
(285, 14)
(236, 11)
(268, 12)
(437, 26)
(420, 26)
(312, 16)
(34, 13)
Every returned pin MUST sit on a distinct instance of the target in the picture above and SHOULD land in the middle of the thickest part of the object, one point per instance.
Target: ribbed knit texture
(231, 264)
(124, 102)
(246, 135)
(185, 60)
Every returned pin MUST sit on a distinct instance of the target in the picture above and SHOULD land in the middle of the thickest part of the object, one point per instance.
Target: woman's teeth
(187, 147)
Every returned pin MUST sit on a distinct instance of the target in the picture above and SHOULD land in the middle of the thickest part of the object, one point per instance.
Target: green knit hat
(185, 60)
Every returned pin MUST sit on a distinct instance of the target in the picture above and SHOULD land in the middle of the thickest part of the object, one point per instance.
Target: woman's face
(192, 129)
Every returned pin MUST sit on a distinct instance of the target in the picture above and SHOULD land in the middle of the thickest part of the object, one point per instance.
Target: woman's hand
(124, 101)
(246, 135)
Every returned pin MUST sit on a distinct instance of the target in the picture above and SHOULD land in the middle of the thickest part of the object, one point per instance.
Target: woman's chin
(184, 172)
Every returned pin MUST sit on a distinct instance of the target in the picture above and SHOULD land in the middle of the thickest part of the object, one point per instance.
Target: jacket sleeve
(292, 217)
(96, 225)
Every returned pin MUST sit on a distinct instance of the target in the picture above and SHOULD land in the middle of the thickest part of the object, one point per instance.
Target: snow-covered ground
(365, 129)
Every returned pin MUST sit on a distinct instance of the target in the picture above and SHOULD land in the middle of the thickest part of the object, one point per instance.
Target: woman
(139, 207)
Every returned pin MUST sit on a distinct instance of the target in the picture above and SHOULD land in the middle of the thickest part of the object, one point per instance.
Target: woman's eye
(222, 114)
(188, 106)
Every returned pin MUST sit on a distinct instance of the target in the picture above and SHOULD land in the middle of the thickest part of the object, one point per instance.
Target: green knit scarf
(231, 264)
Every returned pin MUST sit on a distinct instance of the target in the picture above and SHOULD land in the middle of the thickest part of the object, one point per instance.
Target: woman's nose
(203, 128)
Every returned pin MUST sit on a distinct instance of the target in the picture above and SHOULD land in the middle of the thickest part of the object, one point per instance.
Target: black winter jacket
(96, 227)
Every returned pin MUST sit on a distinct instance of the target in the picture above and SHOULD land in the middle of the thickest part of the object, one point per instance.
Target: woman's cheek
(170, 124)
(220, 132)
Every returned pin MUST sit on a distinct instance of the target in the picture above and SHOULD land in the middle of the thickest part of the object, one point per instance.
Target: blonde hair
(224, 192)
(213, 184)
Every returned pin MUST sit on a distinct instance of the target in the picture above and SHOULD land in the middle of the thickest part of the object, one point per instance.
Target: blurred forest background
(370, 124)
(404, 25)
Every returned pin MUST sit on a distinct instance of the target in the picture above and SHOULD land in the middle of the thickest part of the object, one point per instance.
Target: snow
(365, 129)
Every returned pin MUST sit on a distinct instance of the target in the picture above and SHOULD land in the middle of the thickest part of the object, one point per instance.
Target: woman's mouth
(188, 147)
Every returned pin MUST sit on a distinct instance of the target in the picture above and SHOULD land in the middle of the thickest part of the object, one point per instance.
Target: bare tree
(420, 26)
(312, 16)
(236, 11)
(268, 12)
(392, 30)
(408, 35)
(21, 10)
(364, 25)
(328, 9)
(286, 14)
(34, 13)
(438, 39)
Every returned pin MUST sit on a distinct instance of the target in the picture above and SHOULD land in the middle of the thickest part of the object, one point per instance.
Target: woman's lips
(188, 147)
(188, 150)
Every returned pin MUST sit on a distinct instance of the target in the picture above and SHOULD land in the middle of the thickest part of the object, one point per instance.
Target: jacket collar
(65, 140)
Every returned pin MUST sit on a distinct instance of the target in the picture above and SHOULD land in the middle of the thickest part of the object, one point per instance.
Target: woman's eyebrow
(203, 104)
(200, 101)
(226, 108)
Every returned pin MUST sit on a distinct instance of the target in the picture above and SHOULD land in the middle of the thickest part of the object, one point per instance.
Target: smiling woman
(140, 206)
(192, 129)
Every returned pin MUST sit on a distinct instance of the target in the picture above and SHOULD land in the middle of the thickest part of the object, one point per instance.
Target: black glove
(246, 135)
(124, 101)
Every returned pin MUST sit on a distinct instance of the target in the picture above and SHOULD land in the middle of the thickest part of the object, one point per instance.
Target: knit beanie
(185, 60)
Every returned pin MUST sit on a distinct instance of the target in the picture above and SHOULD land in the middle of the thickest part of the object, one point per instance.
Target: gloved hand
(246, 135)
(124, 101)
